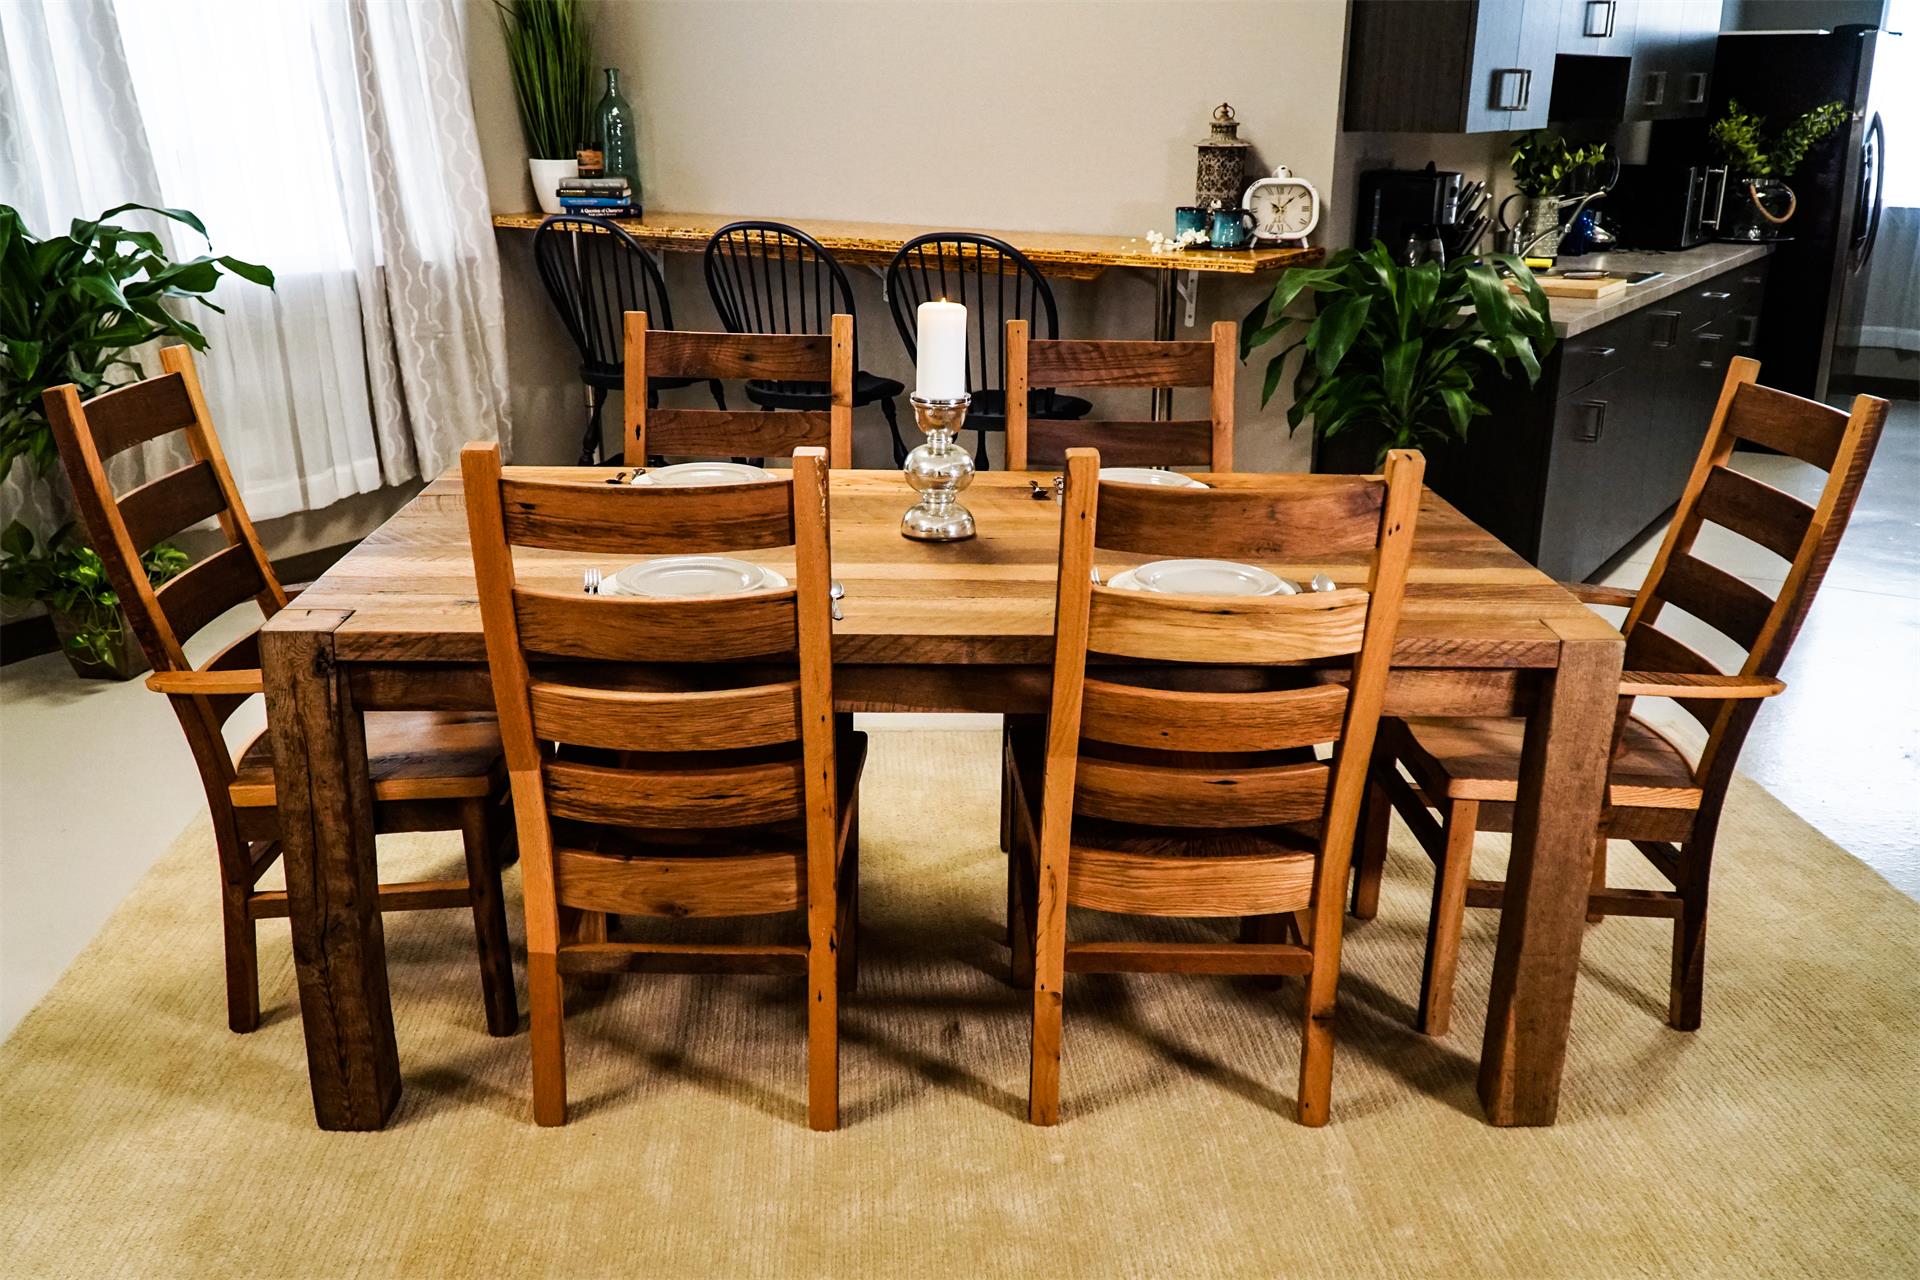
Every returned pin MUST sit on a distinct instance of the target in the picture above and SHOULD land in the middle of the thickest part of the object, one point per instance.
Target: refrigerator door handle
(1874, 160)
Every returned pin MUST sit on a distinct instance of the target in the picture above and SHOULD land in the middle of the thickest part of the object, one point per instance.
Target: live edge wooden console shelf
(928, 627)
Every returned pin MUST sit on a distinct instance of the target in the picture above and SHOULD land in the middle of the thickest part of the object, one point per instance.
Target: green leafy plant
(550, 57)
(72, 306)
(1740, 137)
(1545, 165)
(1400, 348)
(68, 578)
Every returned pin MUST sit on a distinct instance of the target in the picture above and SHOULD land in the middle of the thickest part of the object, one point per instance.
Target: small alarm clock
(1283, 207)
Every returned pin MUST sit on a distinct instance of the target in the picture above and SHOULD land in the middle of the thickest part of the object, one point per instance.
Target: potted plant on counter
(1765, 203)
(1547, 171)
(550, 57)
(1392, 354)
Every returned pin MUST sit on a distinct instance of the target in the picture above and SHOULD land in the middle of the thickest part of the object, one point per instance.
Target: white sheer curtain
(332, 140)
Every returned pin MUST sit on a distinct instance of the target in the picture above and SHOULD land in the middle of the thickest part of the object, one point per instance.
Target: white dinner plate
(1147, 475)
(1204, 578)
(687, 576)
(688, 474)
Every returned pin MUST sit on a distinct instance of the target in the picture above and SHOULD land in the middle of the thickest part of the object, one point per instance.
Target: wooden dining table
(928, 627)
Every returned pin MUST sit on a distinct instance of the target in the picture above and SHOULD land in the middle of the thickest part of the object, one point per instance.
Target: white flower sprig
(1174, 244)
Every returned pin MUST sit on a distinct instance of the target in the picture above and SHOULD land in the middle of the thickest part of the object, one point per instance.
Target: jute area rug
(141, 1138)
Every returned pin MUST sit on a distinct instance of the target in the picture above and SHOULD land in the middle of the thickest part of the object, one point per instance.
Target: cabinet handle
(1599, 25)
(1749, 331)
(1673, 328)
(1696, 88)
(1715, 295)
(1605, 353)
(1705, 338)
(1654, 91)
(1596, 421)
(1521, 78)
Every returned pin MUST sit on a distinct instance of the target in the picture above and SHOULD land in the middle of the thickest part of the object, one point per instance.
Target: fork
(590, 581)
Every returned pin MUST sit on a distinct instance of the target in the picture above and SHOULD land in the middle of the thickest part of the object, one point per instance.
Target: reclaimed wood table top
(1068, 255)
(1471, 602)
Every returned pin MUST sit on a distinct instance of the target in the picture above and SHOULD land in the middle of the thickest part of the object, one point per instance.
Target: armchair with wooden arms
(1450, 778)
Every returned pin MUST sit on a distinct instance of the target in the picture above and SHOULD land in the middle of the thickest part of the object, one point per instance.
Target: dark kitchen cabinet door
(1595, 487)
(1450, 66)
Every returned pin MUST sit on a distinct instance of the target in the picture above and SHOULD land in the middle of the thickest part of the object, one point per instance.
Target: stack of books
(597, 198)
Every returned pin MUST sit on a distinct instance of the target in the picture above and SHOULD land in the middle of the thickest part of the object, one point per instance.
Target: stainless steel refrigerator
(1818, 278)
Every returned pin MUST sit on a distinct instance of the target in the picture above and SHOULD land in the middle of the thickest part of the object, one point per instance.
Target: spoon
(836, 593)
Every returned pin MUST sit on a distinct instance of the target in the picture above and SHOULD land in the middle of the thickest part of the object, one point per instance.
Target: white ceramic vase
(547, 176)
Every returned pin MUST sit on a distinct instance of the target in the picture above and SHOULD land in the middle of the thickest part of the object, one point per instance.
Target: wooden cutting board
(1593, 290)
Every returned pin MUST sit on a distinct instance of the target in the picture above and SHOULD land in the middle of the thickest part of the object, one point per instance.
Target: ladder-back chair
(1155, 794)
(653, 772)
(1202, 442)
(595, 273)
(768, 277)
(431, 771)
(1666, 806)
(812, 357)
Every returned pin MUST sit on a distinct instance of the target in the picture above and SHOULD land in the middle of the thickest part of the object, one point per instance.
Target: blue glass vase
(617, 129)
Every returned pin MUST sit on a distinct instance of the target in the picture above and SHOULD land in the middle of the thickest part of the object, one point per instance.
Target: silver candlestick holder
(938, 470)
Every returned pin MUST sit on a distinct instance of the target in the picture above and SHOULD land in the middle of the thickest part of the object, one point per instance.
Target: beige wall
(1027, 116)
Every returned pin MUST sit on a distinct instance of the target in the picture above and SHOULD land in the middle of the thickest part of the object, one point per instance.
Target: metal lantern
(1222, 174)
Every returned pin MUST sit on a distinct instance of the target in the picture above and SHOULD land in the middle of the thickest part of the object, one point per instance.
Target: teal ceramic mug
(1231, 227)
(1190, 217)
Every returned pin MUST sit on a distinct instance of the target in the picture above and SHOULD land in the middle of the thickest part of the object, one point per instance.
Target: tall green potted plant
(550, 57)
(72, 309)
(1763, 203)
(1392, 354)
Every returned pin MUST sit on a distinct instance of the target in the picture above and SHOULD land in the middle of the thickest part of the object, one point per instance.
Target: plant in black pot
(72, 309)
(67, 577)
(1392, 354)
(1764, 203)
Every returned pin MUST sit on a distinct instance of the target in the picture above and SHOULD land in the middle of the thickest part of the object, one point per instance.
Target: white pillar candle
(942, 348)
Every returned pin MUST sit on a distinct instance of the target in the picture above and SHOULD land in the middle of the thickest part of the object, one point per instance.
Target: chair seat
(411, 755)
(1480, 760)
(867, 388)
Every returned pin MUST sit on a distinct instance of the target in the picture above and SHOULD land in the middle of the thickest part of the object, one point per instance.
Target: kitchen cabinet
(1572, 470)
(1450, 66)
(1600, 28)
(1672, 58)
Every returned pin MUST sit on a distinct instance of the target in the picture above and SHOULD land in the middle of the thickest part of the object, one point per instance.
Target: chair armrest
(207, 684)
(1593, 593)
(1674, 684)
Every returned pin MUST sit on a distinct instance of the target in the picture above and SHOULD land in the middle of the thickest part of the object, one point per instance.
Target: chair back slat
(630, 629)
(1195, 795)
(1187, 443)
(1062, 362)
(1186, 720)
(178, 500)
(1787, 424)
(643, 520)
(665, 720)
(1651, 649)
(1732, 606)
(1254, 629)
(1052, 364)
(1755, 510)
(771, 433)
(224, 579)
(826, 359)
(135, 414)
(1307, 516)
(684, 888)
(710, 796)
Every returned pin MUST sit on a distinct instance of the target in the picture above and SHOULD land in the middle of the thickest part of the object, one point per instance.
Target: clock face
(1283, 208)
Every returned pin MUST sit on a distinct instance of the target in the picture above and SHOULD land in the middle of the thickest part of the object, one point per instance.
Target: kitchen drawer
(1592, 356)
(1596, 497)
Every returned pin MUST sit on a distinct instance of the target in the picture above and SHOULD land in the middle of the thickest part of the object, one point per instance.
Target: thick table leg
(326, 834)
(1562, 777)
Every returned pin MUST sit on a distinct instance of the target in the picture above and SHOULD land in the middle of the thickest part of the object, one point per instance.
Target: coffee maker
(1406, 207)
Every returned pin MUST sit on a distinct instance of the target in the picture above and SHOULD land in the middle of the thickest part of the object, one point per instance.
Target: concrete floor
(96, 780)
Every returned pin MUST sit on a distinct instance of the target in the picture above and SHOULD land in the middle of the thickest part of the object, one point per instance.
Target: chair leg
(718, 392)
(1022, 888)
(590, 441)
(1446, 917)
(1370, 858)
(890, 410)
(823, 1025)
(489, 919)
(1599, 885)
(585, 926)
(546, 1030)
(1689, 945)
(1049, 964)
(243, 959)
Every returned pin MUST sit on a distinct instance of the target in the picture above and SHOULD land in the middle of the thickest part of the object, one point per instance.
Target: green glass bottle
(617, 130)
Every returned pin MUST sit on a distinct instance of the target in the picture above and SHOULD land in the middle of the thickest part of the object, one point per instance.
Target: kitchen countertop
(1684, 268)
